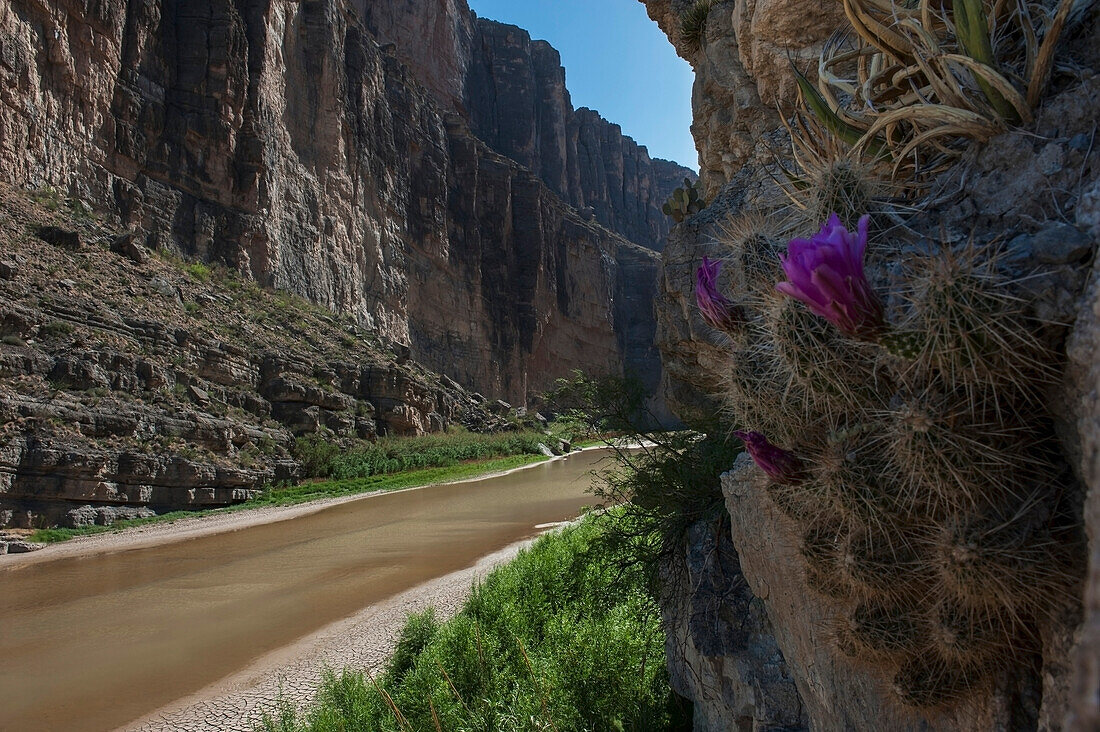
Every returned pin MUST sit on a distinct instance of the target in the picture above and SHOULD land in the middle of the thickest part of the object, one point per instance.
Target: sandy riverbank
(363, 641)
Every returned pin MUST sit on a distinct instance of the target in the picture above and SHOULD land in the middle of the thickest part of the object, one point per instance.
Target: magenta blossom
(716, 309)
(780, 465)
(825, 273)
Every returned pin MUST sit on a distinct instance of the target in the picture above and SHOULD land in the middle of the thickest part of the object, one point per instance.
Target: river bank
(294, 673)
(156, 533)
(121, 626)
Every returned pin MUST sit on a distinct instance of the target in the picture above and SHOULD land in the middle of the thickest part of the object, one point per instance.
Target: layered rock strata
(512, 92)
(134, 383)
(279, 139)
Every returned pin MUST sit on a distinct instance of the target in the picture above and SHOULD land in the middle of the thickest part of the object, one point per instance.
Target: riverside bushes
(563, 638)
(322, 458)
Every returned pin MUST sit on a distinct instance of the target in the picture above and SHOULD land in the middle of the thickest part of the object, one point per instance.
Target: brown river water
(92, 643)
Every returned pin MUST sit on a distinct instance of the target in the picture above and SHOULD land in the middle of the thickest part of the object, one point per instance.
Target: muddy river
(92, 643)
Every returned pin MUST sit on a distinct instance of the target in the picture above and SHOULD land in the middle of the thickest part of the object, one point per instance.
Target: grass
(198, 270)
(312, 491)
(559, 639)
(321, 458)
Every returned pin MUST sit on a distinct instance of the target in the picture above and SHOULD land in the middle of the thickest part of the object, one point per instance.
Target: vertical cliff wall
(512, 92)
(1048, 243)
(278, 138)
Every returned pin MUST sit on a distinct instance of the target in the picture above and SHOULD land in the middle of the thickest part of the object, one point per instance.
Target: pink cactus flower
(780, 465)
(825, 273)
(715, 308)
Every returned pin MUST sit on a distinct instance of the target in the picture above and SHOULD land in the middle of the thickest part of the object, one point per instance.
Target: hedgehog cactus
(684, 202)
(926, 485)
(825, 273)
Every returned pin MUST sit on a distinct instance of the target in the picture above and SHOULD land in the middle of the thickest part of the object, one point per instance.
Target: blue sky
(616, 61)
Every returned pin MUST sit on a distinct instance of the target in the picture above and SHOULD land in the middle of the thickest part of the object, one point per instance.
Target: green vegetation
(198, 270)
(48, 198)
(685, 201)
(55, 329)
(560, 639)
(693, 24)
(305, 492)
(321, 458)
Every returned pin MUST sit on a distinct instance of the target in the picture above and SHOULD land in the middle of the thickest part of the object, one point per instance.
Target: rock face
(743, 73)
(1048, 242)
(720, 644)
(512, 92)
(130, 388)
(1083, 389)
(279, 139)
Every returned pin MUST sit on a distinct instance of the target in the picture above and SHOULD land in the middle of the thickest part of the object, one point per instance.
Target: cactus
(931, 513)
(1005, 558)
(927, 679)
(904, 344)
(877, 563)
(954, 451)
(835, 371)
(755, 241)
(842, 187)
(878, 628)
(973, 330)
(684, 202)
(971, 636)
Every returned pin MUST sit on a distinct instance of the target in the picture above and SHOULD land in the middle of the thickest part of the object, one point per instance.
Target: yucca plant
(693, 24)
(917, 81)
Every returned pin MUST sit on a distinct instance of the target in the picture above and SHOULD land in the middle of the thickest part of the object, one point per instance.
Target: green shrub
(693, 24)
(323, 459)
(418, 632)
(198, 271)
(316, 453)
(55, 329)
(560, 639)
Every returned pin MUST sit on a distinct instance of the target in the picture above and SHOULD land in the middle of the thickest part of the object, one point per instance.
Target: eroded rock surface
(278, 138)
(136, 388)
(720, 644)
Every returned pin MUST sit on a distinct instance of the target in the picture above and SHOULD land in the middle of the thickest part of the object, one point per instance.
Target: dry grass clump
(693, 24)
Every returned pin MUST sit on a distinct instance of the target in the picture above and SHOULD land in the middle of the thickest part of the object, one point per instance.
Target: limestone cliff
(280, 142)
(1049, 242)
(278, 138)
(512, 92)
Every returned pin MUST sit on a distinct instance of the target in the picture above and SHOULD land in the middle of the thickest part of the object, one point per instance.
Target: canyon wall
(512, 92)
(1049, 243)
(278, 138)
